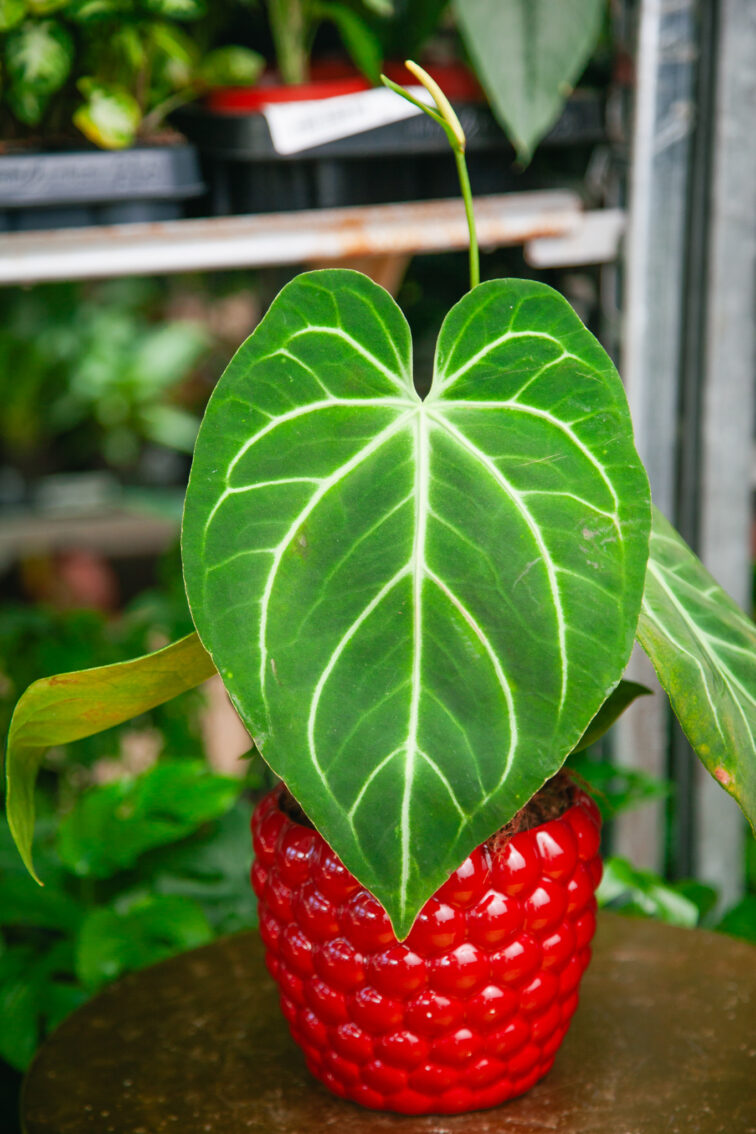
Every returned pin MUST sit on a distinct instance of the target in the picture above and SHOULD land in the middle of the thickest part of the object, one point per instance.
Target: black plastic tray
(71, 189)
(246, 137)
(246, 175)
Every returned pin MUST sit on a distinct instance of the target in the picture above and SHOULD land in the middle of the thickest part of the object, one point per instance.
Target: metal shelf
(321, 236)
(116, 531)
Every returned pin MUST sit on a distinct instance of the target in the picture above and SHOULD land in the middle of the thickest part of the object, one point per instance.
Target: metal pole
(688, 364)
(728, 402)
(655, 259)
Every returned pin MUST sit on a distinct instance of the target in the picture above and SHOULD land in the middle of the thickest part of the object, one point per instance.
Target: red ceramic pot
(467, 1012)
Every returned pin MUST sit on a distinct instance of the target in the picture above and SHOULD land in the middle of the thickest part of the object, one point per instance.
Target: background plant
(294, 24)
(140, 868)
(120, 365)
(147, 846)
(528, 58)
(112, 68)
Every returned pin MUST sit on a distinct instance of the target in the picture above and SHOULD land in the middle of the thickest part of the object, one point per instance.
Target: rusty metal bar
(114, 531)
(282, 238)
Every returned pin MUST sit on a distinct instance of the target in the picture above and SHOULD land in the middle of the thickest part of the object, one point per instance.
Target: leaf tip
(28, 862)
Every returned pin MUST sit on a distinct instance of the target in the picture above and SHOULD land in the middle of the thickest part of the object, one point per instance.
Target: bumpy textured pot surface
(467, 1012)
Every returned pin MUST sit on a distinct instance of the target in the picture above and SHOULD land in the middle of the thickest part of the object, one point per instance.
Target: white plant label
(297, 126)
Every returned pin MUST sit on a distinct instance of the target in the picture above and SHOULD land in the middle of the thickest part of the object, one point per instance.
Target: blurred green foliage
(614, 788)
(104, 378)
(113, 68)
(136, 871)
(108, 830)
(643, 893)
(135, 868)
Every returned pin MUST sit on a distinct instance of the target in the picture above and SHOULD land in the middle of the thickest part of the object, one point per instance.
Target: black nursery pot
(402, 161)
(96, 187)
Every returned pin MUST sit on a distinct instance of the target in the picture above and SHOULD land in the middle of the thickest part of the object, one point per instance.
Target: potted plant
(420, 608)
(108, 72)
(265, 152)
(257, 159)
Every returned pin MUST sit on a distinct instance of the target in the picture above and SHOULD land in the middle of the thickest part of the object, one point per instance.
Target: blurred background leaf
(640, 892)
(211, 868)
(34, 991)
(617, 789)
(110, 827)
(230, 67)
(176, 9)
(12, 12)
(528, 57)
(38, 59)
(114, 940)
(740, 921)
(109, 117)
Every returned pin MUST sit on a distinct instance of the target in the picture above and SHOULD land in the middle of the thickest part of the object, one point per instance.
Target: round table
(663, 1040)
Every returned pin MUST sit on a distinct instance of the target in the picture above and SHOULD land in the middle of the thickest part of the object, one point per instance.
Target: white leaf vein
(723, 671)
(326, 485)
(448, 380)
(381, 367)
(488, 464)
(498, 669)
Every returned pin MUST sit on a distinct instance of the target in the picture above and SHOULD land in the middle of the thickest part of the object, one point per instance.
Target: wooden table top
(664, 1040)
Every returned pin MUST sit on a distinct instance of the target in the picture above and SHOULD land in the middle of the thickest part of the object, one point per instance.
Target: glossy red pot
(467, 1012)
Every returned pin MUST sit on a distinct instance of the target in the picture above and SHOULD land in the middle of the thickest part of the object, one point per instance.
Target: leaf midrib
(421, 575)
(418, 566)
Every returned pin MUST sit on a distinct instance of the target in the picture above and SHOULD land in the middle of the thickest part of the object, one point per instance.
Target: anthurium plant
(421, 606)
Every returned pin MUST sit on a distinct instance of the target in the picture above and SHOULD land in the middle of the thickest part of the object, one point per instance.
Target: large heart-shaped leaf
(703, 649)
(416, 606)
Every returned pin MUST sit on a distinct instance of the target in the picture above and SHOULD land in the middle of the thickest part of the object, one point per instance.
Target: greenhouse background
(149, 214)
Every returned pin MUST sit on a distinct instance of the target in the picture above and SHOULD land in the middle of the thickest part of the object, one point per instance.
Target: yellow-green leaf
(69, 706)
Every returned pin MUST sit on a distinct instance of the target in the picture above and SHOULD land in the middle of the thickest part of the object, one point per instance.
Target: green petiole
(446, 118)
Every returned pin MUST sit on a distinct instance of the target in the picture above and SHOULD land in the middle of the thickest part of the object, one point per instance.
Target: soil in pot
(470, 1010)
